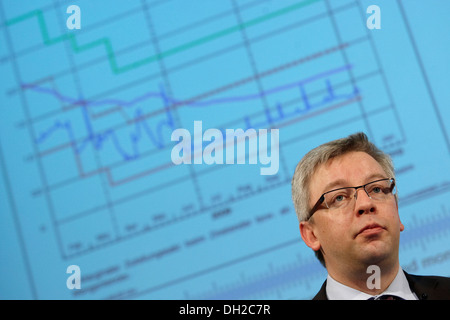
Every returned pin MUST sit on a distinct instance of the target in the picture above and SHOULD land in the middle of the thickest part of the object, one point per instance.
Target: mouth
(370, 229)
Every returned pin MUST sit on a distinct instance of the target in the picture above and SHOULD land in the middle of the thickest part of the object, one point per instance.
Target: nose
(363, 202)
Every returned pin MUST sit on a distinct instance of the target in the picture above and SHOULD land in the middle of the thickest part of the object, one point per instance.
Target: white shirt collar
(399, 287)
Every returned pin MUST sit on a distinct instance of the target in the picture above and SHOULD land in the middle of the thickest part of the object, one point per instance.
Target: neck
(370, 279)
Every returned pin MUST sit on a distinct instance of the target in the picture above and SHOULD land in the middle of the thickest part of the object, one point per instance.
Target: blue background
(86, 116)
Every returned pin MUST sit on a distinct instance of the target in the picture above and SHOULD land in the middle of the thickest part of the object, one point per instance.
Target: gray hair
(320, 155)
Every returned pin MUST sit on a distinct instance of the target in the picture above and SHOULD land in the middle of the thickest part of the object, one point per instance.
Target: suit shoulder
(429, 279)
(432, 287)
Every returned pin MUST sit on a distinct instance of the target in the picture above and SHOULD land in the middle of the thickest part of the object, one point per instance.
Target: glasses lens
(339, 198)
(380, 190)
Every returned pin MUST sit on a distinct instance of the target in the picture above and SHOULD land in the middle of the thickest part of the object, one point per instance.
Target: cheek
(392, 216)
(333, 232)
(398, 225)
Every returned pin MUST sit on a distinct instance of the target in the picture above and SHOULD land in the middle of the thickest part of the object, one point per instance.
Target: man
(345, 197)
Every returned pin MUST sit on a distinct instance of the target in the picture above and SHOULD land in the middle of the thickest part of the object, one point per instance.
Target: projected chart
(85, 140)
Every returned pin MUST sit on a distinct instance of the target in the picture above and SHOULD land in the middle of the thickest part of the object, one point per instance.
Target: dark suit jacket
(425, 287)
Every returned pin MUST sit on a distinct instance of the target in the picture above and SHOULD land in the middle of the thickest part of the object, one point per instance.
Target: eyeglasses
(341, 198)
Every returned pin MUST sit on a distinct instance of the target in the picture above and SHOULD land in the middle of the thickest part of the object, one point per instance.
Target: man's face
(339, 233)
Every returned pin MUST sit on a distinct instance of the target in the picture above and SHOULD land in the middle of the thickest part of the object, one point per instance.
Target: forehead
(350, 169)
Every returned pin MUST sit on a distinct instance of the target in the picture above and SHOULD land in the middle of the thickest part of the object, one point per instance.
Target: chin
(376, 254)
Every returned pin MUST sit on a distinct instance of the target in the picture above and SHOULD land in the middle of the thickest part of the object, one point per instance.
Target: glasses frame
(322, 198)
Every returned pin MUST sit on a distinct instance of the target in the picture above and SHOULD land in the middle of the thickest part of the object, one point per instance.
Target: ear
(307, 231)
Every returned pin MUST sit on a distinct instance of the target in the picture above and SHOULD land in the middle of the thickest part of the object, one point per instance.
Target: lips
(369, 229)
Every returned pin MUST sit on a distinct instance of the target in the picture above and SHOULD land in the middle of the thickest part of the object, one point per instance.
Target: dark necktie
(386, 297)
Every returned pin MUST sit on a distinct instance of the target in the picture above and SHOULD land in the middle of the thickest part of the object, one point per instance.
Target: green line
(110, 52)
(25, 16)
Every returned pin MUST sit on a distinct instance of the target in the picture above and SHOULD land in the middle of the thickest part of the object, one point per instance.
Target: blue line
(161, 94)
(155, 135)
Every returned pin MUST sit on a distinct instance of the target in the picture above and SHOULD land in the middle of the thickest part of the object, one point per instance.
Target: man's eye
(376, 190)
(339, 198)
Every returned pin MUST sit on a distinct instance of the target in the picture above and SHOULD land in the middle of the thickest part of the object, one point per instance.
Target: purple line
(271, 91)
(155, 134)
(160, 95)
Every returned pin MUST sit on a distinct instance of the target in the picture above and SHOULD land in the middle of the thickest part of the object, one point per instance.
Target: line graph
(98, 139)
(85, 129)
(106, 43)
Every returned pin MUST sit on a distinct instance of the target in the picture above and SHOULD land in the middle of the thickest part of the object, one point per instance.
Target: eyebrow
(343, 183)
(332, 185)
